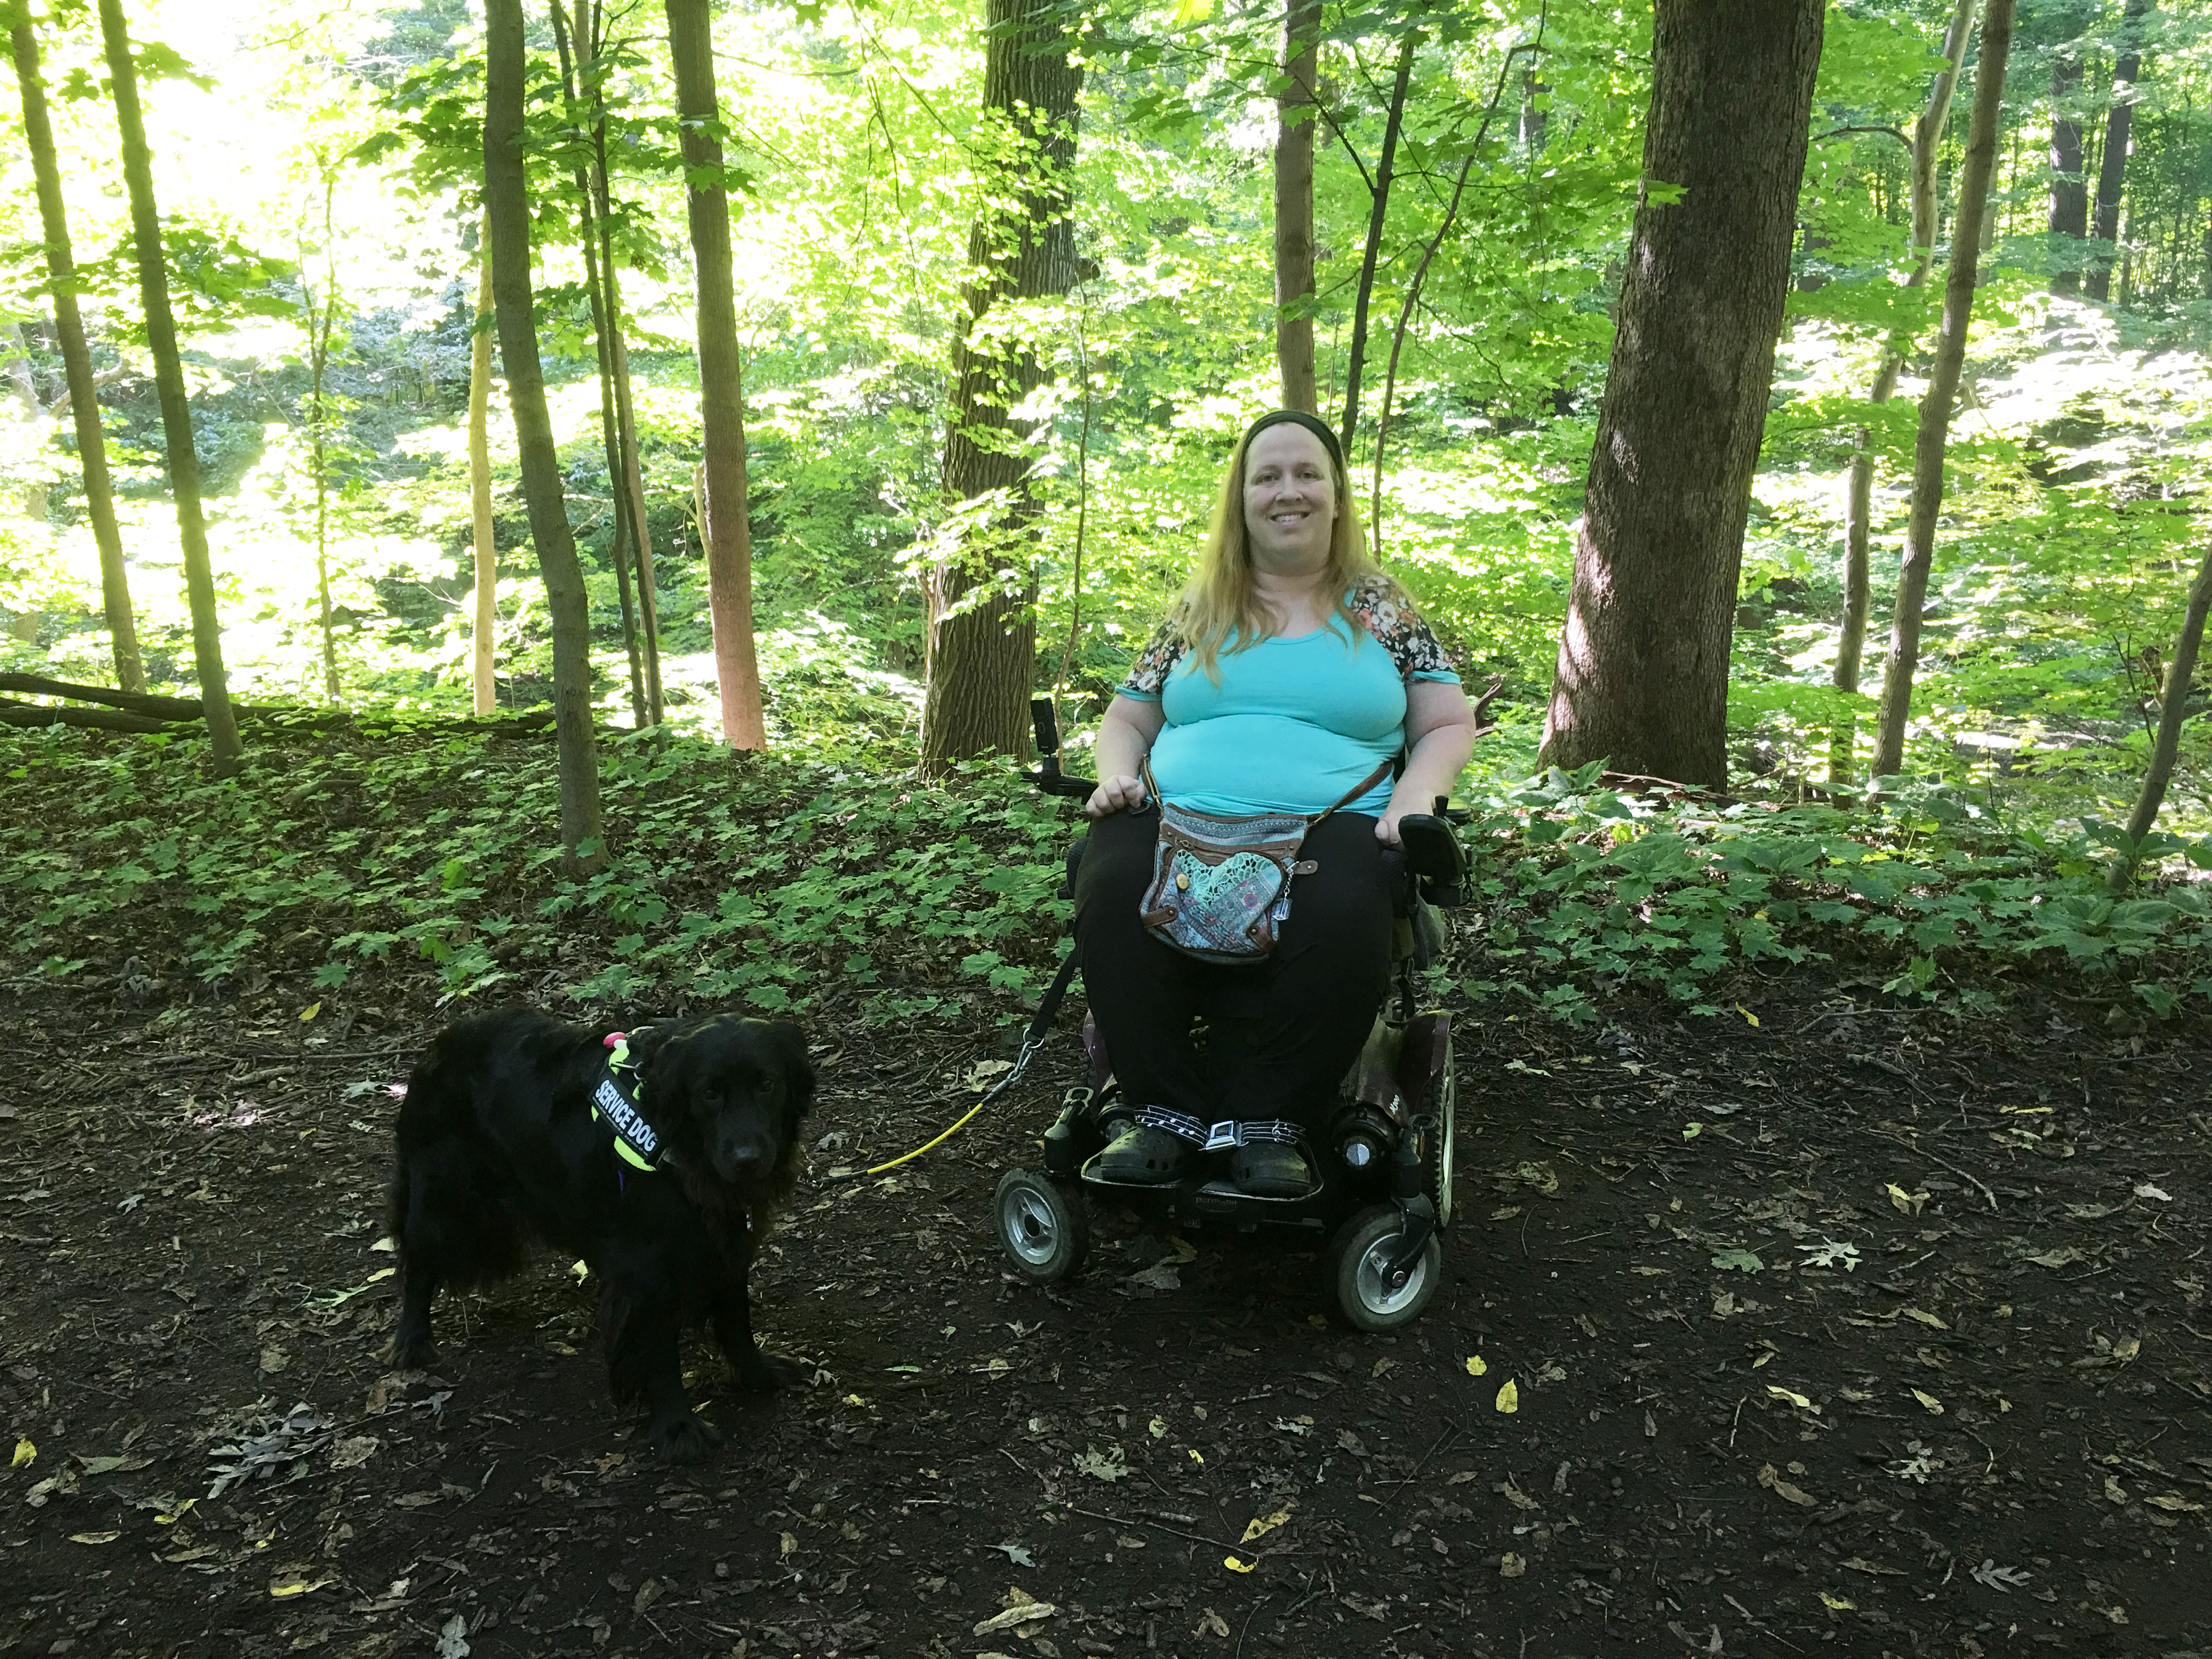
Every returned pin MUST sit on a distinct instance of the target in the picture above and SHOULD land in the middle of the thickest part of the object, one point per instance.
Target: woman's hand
(1124, 738)
(1116, 795)
(1439, 738)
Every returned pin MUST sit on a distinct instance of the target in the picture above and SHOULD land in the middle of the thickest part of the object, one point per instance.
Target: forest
(573, 501)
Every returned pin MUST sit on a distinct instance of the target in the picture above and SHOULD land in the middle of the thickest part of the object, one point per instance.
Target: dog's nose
(743, 1157)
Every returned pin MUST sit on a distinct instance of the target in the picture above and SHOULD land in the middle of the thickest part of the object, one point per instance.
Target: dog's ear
(789, 1044)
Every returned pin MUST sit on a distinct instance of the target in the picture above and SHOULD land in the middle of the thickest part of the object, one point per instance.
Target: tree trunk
(2111, 165)
(1942, 389)
(1295, 115)
(982, 625)
(1858, 583)
(506, 212)
(2172, 711)
(1378, 207)
(722, 385)
(1642, 678)
(631, 484)
(481, 679)
(1413, 289)
(2070, 193)
(1533, 93)
(76, 362)
(169, 383)
(603, 326)
(320, 320)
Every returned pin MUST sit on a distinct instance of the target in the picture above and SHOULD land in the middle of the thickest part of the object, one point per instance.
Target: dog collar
(614, 1103)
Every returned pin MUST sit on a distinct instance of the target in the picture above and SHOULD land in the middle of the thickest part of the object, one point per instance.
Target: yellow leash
(1032, 1040)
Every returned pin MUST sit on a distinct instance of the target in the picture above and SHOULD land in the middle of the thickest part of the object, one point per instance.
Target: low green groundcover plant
(769, 883)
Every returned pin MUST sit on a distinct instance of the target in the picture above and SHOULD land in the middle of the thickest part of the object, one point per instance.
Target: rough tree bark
(1378, 211)
(506, 213)
(2069, 220)
(481, 535)
(982, 625)
(1935, 433)
(2172, 711)
(2112, 163)
(1643, 668)
(1295, 115)
(76, 360)
(722, 380)
(169, 383)
(1858, 499)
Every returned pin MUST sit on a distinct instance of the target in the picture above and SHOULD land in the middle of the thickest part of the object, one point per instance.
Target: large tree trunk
(721, 380)
(1643, 670)
(1295, 115)
(76, 361)
(2069, 193)
(1378, 209)
(1935, 433)
(982, 623)
(1858, 500)
(169, 383)
(2112, 163)
(506, 212)
(486, 552)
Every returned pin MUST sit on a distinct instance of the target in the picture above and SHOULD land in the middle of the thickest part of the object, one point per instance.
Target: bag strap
(1152, 789)
(1358, 790)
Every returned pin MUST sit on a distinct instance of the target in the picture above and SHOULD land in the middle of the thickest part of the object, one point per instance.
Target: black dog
(507, 1134)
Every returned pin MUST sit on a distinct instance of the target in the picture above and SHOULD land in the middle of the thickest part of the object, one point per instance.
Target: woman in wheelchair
(1290, 669)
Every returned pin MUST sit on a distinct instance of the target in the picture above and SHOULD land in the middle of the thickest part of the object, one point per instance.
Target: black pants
(1322, 988)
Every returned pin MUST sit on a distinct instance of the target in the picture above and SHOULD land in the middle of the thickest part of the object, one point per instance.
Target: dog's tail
(437, 1095)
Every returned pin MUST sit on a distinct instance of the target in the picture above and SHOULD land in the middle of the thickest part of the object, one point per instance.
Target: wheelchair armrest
(1434, 858)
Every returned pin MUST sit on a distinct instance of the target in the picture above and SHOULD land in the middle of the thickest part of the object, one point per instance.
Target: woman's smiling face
(1290, 495)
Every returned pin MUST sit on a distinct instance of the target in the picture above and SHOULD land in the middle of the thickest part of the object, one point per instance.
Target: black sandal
(1269, 1169)
(1145, 1156)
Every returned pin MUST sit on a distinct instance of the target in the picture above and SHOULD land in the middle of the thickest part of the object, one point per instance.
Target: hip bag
(1221, 886)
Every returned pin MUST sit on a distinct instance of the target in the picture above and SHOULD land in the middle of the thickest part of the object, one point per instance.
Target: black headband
(1312, 423)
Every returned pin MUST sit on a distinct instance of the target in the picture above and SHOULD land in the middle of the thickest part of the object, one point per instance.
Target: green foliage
(1588, 888)
(768, 884)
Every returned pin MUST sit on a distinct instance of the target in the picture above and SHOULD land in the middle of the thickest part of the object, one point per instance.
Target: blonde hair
(1221, 599)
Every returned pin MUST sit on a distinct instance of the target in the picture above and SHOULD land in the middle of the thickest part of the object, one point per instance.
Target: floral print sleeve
(1384, 609)
(1148, 675)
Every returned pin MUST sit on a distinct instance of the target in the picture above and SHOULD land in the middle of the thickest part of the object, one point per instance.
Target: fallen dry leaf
(1265, 1524)
(1771, 1478)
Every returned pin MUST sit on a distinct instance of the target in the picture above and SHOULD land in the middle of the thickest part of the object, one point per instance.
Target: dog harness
(614, 1103)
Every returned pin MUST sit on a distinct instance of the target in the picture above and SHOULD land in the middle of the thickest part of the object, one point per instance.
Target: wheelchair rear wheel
(1044, 1228)
(1358, 1257)
(1444, 1107)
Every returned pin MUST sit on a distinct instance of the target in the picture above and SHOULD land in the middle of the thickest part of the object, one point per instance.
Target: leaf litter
(1987, 1317)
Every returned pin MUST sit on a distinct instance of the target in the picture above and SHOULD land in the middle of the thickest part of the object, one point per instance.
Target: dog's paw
(767, 1372)
(685, 1439)
(409, 1353)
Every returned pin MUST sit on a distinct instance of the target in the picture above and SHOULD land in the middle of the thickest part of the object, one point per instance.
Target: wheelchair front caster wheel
(1357, 1269)
(1045, 1230)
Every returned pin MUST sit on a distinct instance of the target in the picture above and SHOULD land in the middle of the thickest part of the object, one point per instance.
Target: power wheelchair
(1383, 1186)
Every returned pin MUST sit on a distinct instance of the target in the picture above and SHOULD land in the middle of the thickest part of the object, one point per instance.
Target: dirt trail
(1862, 1330)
